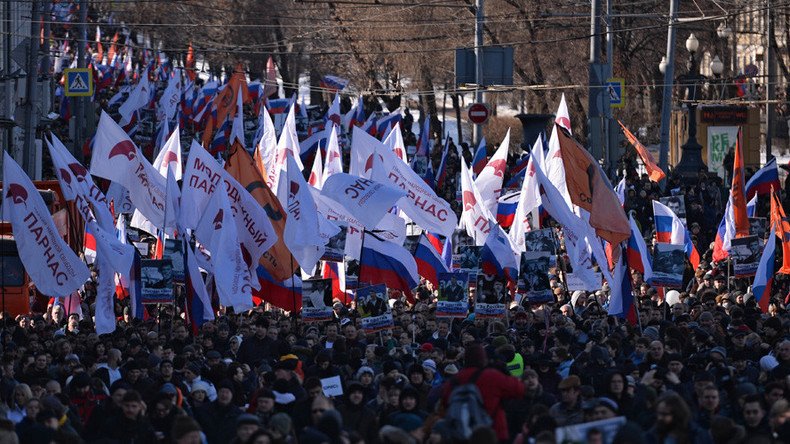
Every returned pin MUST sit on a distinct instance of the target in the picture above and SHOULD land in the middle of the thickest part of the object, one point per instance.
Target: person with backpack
(473, 398)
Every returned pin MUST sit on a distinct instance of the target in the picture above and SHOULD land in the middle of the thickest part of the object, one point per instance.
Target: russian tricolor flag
(278, 106)
(383, 262)
(670, 229)
(724, 234)
(636, 250)
(435, 240)
(481, 157)
(337, 272)
(497, 256)
(386, 123)
(765, 179)
(429, 263)
(621, 301)
(197, 299)
(761, 288)
(358, 114)
(89, 244)
(506, 209)
(441, 173)
(517, 173)
(286, 295)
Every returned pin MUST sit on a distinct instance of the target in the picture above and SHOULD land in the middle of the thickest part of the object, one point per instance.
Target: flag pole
(293, 290)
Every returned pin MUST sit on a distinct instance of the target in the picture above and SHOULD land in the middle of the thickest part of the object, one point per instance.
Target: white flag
(333, 163)
(421, 203)
(48, 260)
(120, 199)
(137, 99)
(302, 234)
(366, 199)
(394, 141)
(267, 149)
(288, 143)
(198, 285)
(170, 154)
(363, 146)
(171, 97)
(117, 158)
(475, 216)
(489, 182)
(202, 176)
(216, 230)
(316, 178)
(104, 318)
(529, 200)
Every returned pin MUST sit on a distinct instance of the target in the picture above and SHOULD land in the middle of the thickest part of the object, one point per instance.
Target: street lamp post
(691, 157)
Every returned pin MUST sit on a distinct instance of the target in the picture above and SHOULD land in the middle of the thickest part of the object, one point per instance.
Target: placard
(540, 240)
(669, 262)
(574, 282)
(410, 244)
(758, 226)
(602, 431)
(372, 305)
(332, 386)
(156, 278)
(453, 294)
(534, 277)
(745, 252)
(336, 247)
(721, 139)
(491, 296)
(316, 300)
(352, 273)
(174, 250)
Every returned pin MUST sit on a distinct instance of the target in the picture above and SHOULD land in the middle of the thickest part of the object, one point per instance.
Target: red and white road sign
(478, 113)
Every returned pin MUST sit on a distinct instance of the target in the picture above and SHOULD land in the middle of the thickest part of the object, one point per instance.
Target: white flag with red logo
(216, 230)
(361, 161)
(170, 154)
(266, 151)
(365, 199)
(171, 97)
(288, 143)
(333, 163)
(528, 201)
(563, 117)
(117, 158)
(489, 182)
(394, 141)
(421, 203)
(316, 178)
(475, 216)
(48, 260)
(302, 229)
(203, 174)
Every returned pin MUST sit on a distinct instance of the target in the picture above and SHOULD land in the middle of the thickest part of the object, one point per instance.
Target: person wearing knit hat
(280, 426)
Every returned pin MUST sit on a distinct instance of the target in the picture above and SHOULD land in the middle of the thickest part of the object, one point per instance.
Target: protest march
(221, 263)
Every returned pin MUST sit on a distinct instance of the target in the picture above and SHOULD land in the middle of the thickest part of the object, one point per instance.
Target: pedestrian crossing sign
(79, 82)
(615, 90)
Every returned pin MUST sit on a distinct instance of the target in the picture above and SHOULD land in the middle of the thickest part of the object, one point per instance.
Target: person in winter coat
(218, 419)
(674, 423)
(494, 386)
(356, 415)
(131, 425)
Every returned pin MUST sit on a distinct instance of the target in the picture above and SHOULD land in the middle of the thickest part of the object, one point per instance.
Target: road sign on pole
(79, 82)
(615, 89)
(478, 113)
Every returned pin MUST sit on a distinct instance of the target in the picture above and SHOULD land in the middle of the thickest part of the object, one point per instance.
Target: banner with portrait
(352, 273)
(336, 246)
(174, 250)
(491, 296)
(677, 204)
(669, 263)
(373, 307)
(453, 295)
(156, 279)
(316, 300)
(758, 226)
(533, 277)
(745, 253)
(540, 240)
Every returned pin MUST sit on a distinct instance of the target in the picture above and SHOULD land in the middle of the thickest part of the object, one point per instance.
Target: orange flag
(190, 63)
(781, 226)
(653, 170)
(737, 191)
(113, 48)
(225, 102)
(590, 189)
(278, 260)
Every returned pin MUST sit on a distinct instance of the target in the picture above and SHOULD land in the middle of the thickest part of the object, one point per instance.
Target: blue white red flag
(333, 83)
(383, 262)
(761, 288)
(764, 180)
(636, 251)
(429, 262)
(481, 157)
(670, 229)
(506, 209)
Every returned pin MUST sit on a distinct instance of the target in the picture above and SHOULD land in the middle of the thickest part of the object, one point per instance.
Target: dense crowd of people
(701, 365)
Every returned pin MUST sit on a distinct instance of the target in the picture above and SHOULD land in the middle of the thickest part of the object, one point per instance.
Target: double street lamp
(691, 157)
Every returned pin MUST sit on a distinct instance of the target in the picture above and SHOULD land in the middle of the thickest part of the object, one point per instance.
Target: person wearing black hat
(218, 418)
(82, 396)
(131, 425)
(356, 415)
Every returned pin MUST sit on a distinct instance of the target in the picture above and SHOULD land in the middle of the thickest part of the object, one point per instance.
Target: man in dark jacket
(218, 419)
(259, 347)
(131, 425)
(356, 415)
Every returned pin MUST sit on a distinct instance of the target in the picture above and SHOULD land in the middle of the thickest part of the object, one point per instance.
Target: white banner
(48, 260)
(720, 140)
